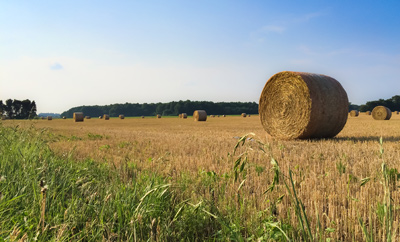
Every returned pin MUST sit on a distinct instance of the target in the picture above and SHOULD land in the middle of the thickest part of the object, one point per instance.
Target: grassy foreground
(46, 198)
(49, 197)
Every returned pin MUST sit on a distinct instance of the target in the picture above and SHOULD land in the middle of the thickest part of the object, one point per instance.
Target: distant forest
(392, 103)
(165, 109)
(17, 109)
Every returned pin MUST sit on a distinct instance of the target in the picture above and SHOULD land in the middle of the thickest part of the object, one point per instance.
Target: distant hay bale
(381, 113)
(298, 105)
(397, 112)
(248, 115)
(158, 116)
(100, 117)
(184, 115)
(200, 115)
(121, 116)
(224, 115)
(3, 117)
(354, 113)
(64, 117)
(218, 116)
(43, 118)
(212, 116)
(106, 117)
(49, 118)
(244, 115)
(78, 117)
(180, 115)
(88, 117)
(142, 116)
(368, 112)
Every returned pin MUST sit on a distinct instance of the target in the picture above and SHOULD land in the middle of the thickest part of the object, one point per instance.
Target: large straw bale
(78, 117)
(158, 116)
(106, 117)
(381, 113)
(180, 115)
(200, 115)
(244, 115)
(184, 115)
(354, 113)
(64, 117)
(303, 105)
(121, 116)
(49, 118)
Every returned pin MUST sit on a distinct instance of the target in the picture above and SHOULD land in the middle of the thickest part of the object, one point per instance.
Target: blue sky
(70, 53)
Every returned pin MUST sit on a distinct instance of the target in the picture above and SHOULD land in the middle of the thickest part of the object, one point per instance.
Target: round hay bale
(248, 115)
(184, 115)
(142, 116)
(88, 117)
(180, 115)
(64, 117)
(299, 105)
(354, 113)
(106, 117)
(158, 116)
(244, 115)
(368, 112)
(43, 118)
(397, 112)
(200, 115)
(121, 116)
(224, 115)
(49, 118)
(212, 116)
(381, 113)
(100, 117)
(78, 117)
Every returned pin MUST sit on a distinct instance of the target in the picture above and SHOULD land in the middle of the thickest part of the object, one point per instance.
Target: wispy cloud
(273, 28)
(56, 66)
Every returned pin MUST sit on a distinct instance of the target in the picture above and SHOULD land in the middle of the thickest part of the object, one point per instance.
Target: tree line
(16, 109)
(165, 109)
(392, 103)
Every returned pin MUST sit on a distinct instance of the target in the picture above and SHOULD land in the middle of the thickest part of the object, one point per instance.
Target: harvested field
(328, 173)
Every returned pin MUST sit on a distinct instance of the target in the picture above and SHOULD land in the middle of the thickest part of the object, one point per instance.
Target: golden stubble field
(328, 173)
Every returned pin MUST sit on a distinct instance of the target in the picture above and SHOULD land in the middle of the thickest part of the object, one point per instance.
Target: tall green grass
(47, 198)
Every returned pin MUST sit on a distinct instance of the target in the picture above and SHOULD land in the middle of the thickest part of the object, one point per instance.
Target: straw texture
(78, 117)
(106, 117)
(354, 113)
(303, 105)
(381, 113)
(200, 115)
(368, 112)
